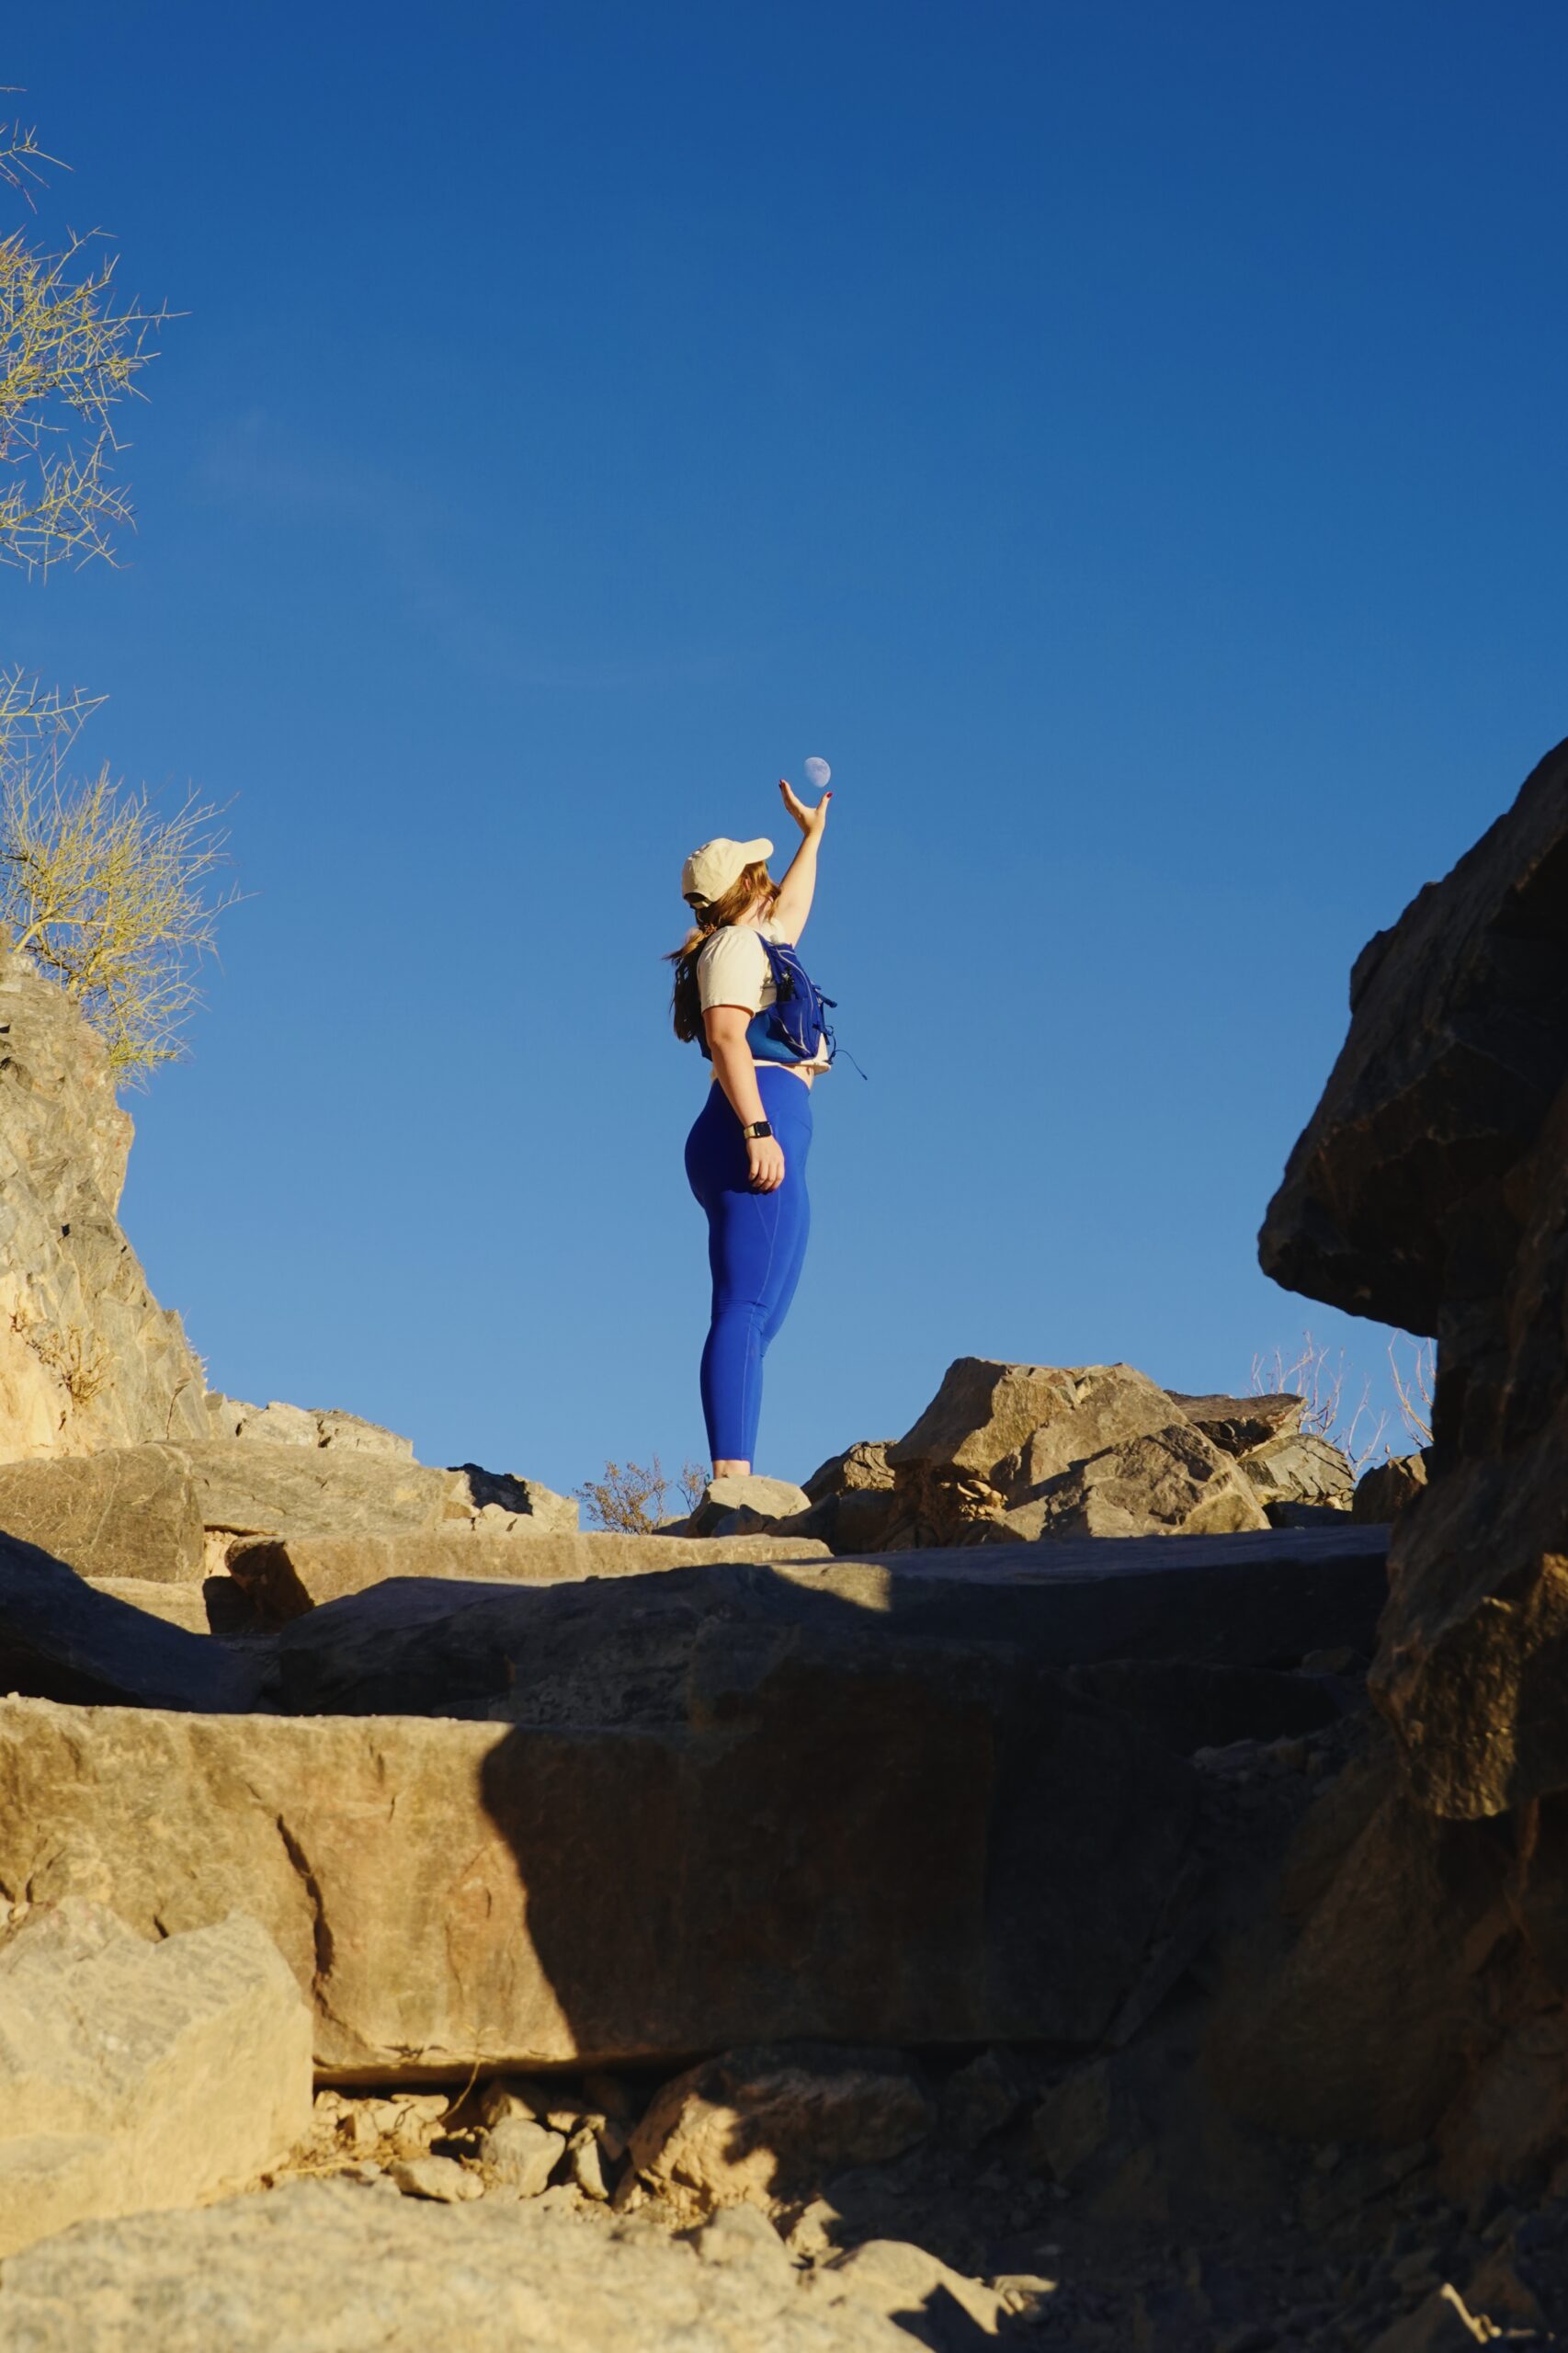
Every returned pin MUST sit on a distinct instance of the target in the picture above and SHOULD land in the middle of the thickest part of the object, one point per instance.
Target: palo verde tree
(113, 898)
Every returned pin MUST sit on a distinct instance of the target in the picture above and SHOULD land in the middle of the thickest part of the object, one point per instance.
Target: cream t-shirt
(732, 968)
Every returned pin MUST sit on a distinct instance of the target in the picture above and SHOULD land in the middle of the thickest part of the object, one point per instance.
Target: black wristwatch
(758, 1129)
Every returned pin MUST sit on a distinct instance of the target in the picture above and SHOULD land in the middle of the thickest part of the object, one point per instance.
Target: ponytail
(710, 916)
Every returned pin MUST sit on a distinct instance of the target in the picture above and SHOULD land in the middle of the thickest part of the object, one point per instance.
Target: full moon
(817, 771)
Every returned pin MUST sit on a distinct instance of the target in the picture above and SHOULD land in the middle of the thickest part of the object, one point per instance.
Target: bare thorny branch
(67, 357)
(1321, 1384)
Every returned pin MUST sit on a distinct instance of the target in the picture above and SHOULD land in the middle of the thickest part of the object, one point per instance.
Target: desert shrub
(632, 1499)
(115, 898)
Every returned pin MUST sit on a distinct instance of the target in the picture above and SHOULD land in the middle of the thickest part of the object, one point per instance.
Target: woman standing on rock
(741, 993)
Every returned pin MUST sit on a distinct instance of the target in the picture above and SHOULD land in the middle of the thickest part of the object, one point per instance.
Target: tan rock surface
(998, 1440)
(129, 1511)
(136, 2074)
(822, 1836)
(731, 1506)
(334, 2267)
(1299, 1467)
(230, 1417)
(1167, 1480)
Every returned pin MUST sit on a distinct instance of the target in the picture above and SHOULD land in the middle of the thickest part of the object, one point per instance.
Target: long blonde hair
(708, 915)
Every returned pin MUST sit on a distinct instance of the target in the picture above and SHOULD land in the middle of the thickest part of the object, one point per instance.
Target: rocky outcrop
(1165, 1482)
(1421, 1971)
(277, 1424)
(1431, 1189)
(171, 1512)
(1047, 1452)
(88, 1358)
(330, 2264)
(138, 2075)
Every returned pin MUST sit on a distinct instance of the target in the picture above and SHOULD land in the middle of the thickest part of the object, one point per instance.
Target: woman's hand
(809, 820)
(766, 1156)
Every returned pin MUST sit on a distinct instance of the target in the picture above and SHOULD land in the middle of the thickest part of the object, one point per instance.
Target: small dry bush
(632, 1499)
(115, 898)
(1351, 1423)
(82, 1363)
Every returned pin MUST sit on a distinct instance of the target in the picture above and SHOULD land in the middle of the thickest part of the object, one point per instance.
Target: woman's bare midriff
(806, 1076)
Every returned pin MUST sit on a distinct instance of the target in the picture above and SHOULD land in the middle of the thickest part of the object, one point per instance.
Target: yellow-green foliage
(67, 357)
(110, 898)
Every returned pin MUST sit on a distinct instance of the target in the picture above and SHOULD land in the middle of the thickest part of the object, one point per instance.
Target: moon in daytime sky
(817, 771)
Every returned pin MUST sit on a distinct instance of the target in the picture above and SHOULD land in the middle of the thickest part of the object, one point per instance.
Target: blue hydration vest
(789, 1029)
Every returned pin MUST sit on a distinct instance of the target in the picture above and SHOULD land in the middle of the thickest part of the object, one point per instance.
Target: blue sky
(1125, 440)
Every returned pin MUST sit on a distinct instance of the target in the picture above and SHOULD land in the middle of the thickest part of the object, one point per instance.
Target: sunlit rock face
(87, 1356)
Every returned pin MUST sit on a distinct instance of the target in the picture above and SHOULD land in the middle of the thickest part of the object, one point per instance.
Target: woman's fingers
(768, 1171)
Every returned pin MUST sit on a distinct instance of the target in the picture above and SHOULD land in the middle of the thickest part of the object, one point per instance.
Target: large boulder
(1010, 1451)
(333, 2267)
(138, 2073)
(87, 1356)
(1167, 1482)
(691, 1826)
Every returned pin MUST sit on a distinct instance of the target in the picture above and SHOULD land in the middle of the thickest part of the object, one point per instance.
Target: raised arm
(799, 886)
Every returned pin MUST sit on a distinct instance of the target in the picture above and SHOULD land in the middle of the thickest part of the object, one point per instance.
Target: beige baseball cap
(709, 872)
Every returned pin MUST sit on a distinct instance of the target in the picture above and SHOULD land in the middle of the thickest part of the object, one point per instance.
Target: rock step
(290, 1575)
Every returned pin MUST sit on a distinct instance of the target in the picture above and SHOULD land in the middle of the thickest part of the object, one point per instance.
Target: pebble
(440, 2178)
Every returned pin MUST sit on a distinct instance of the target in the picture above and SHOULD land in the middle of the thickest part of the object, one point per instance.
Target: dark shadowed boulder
(60, 1638)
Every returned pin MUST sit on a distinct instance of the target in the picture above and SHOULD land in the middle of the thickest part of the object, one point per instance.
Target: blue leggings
(756, 1242)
